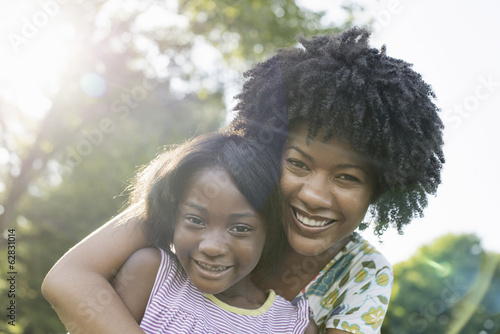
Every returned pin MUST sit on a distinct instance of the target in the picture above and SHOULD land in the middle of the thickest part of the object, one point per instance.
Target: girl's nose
(213, 245)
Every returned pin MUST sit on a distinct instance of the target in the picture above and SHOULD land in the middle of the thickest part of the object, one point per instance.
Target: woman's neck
(297, 271)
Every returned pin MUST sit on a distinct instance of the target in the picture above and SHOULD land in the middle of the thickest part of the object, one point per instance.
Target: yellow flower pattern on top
(330, 299)
(383, 279)
(367, 248)
(374, 317)
(353, 290)
(351, 329)
(361, 275)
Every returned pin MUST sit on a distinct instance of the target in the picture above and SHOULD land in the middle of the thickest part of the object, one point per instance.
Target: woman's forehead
(300, 131)
(298, 136)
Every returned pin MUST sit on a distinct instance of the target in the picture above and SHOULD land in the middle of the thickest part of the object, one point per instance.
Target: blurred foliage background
(139, 75)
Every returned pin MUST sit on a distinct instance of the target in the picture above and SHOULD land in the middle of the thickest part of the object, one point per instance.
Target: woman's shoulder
(352, 289)
(356, 265)
(360, 251)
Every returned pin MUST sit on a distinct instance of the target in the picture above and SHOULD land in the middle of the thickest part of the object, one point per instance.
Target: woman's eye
(347, 177)
(296, 163)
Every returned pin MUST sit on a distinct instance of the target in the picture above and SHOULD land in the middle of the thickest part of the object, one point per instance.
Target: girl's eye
(296, 164)
(241, 229)
(195, 221)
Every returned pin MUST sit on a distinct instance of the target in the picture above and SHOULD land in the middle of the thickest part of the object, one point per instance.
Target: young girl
(357, 131)
(210, 206)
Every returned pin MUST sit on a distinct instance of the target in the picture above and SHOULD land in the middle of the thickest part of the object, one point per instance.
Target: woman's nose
(315, 193)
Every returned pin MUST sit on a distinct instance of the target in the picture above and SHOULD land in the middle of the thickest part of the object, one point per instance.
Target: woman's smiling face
(327, 188)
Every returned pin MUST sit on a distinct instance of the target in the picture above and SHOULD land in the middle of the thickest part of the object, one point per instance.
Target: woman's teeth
(312, 222)
(211, 268)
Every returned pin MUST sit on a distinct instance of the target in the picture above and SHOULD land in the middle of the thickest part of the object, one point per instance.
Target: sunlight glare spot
(475, 249)
(160, 65)
(4, 155)
(15, 171)
(157, 17)
(93, 84)
(442, 270)
(488, 324)
(33, 103)
(24, 223)
(45, 57)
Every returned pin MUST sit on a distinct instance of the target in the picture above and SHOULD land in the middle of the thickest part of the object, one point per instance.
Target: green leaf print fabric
(352, 292)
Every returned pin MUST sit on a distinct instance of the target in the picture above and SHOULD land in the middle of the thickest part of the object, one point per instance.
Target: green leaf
(353, 310)
(365, 287)
(369, 264)
(384, 267)
(345, 279)
(384, 300)
(339, 301)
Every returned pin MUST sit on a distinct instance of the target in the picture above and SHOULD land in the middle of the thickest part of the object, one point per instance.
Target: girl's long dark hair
(253, 168)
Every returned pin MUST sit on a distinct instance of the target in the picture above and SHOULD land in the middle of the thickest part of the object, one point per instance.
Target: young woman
(358, 132)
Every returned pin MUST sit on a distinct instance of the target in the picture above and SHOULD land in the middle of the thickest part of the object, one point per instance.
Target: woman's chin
(306, 246)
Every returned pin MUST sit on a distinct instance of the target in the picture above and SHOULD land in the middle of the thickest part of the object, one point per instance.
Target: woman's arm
(78, 286)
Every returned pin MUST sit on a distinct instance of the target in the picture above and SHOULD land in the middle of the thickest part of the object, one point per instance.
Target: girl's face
(327, 188)
(218, 236)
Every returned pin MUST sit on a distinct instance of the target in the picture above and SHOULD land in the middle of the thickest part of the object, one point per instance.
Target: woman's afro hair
(358, 94)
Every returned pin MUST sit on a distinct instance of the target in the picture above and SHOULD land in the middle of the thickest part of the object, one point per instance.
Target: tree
(449, 286)
(139, 75)
(117, 45)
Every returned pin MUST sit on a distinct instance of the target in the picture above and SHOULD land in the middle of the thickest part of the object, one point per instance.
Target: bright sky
(455, 45)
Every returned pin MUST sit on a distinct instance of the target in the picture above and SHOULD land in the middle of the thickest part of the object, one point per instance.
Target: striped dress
(177, 306)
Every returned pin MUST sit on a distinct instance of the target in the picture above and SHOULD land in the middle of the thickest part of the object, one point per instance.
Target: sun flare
(34, 58)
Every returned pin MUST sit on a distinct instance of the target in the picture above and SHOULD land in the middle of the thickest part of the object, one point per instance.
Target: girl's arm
(135, 280)
(312, 328)
(78, 286)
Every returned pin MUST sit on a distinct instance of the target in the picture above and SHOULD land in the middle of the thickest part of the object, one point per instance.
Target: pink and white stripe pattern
(177, 306)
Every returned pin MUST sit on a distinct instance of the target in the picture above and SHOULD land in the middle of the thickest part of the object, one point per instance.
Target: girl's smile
(211, 271)
(218, 236)
(327, 188)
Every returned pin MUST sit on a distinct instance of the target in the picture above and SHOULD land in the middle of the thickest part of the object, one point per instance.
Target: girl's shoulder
(146, 259)
(136, 278)
(144, 264)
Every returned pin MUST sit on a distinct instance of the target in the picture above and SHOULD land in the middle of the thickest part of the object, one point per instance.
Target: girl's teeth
(208, 267)
(311, 222)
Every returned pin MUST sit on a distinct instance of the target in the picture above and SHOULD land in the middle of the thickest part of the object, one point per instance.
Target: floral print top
(352, 291)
